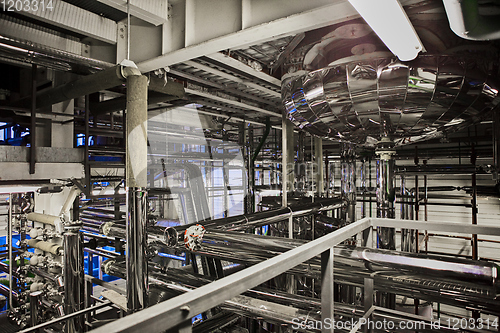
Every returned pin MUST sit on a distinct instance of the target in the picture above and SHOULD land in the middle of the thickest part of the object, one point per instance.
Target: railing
(177, 312)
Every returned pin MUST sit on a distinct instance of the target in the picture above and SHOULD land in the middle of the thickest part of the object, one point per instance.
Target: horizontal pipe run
(43, 218)
(46, 246)
(99, 253)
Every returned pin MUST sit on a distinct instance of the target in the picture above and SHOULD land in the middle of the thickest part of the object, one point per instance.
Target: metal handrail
(179, 310)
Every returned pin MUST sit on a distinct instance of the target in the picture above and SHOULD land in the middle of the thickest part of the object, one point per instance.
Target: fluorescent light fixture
(389, 21)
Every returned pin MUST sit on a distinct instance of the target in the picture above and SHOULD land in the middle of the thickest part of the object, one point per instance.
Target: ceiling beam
(231, 62)
(19, 29)
(233, 78)
(73, 18)
(151, 11)
(323, 16)
(231, 102)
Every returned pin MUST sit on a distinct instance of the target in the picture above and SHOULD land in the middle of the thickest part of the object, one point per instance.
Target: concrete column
(62, 134)
(287, 159)
(318, 155)
(136, 183)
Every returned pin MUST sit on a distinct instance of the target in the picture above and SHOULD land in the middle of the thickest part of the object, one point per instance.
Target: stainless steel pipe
(73, 277)
(348, 180)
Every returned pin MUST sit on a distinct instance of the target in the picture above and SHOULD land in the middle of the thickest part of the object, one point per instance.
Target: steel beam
(76, 19)
(151, 11)
(231, 102)
(238, 65)
(14, 28)
(301, 21)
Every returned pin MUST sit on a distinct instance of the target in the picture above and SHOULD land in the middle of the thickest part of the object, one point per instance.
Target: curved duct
(363, 101)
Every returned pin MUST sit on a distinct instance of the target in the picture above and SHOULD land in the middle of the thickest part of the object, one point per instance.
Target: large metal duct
(365, 100)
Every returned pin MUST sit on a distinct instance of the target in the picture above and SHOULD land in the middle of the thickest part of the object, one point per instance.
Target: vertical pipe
(362, 174)
(136, 182)
(385, 192)
(348, 180)
(86, 147)
(251, 173)
(33, 120)
(327, 289)
(318, 155)
(34, 302)
(287, 158)
(9, 235)
(73, 277)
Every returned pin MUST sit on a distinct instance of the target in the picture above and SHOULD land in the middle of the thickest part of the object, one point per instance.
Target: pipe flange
(385, 149)
(193, 237)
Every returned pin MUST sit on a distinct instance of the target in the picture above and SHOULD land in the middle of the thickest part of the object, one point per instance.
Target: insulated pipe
(136, 183)
(43, 218)
(46, 246)
(73, 277)
(73, 193)
(466, 22)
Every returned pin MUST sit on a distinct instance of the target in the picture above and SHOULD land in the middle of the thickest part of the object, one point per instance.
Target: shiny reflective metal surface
(365, 100)
(73, 278)
(348, 180)
(137, 266)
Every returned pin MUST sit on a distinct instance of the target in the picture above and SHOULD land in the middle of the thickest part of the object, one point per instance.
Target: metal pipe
(386, 194)
(34, 305)
(263, 140)
(33, 143)
(136, 183)
(9, 235)
(174, 235)
(348, 180)
(435, 169)
(318, 155)
(287, 159)
(74, 295)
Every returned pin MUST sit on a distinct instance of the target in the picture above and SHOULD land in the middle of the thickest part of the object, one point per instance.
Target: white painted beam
(12, 27)
(229, 61)
(225, 75)
(73, 18)
(323, 16)
(231, 102)
(151, 11)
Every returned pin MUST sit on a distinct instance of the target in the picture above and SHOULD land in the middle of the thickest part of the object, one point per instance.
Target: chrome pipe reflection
(386, 194)
(137, 268)
(73, 277)
(348, 180)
